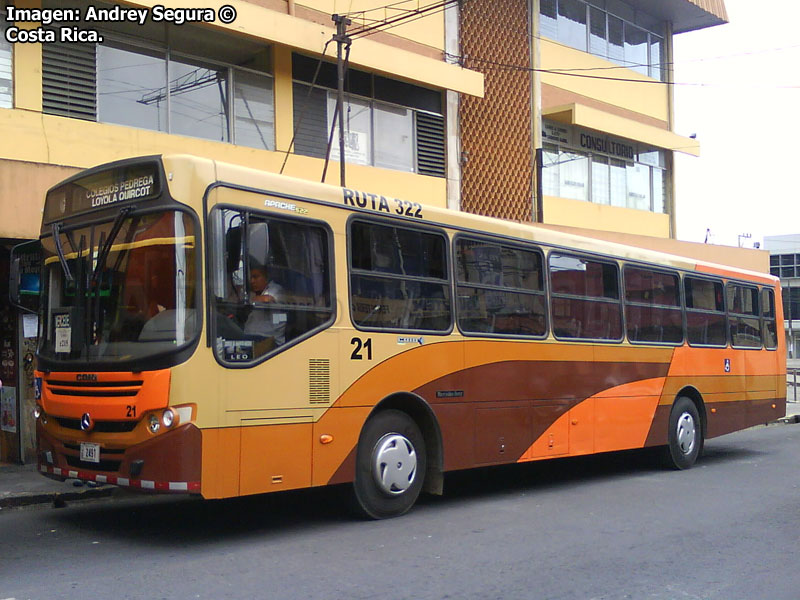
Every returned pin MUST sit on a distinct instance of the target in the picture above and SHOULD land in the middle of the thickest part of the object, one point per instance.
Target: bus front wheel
(390, 465)
(685, 435)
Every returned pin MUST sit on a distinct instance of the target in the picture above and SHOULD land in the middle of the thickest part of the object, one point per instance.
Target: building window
(387, 123)
(585, 166)
(632, 39)
(6, 87)
(146, 82)
(784, 265)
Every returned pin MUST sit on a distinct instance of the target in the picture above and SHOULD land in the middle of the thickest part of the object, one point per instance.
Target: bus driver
(260, 321)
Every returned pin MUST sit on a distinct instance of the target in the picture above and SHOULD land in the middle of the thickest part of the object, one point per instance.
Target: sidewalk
(23, 485)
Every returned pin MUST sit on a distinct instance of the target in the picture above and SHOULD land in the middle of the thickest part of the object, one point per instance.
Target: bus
(212, 329)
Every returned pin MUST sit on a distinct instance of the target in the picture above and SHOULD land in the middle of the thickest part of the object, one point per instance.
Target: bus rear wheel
(685, 435)
(390, 465)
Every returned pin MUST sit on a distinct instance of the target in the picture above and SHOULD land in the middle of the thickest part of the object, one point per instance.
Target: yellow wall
(37, 138)
(647, 99)
(22, 189)
(575, 213)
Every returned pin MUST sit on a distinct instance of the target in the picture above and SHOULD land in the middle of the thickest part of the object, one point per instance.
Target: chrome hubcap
(394, 463)
(686, 433)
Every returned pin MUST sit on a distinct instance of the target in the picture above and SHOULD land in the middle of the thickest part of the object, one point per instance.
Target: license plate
(90, 452)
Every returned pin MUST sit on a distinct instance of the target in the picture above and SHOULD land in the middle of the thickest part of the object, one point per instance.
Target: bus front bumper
(167, 463)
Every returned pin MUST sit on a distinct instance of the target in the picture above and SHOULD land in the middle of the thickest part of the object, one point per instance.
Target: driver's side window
(271, 279)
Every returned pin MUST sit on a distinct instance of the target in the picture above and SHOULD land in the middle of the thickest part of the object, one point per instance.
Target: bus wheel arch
(397, 455)
(686, 430)
(422, 414)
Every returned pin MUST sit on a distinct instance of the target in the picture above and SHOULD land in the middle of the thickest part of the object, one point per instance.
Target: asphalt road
(614, 526)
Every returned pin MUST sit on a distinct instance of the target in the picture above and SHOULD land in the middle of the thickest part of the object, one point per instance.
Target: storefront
(17, 348)
(583, 164)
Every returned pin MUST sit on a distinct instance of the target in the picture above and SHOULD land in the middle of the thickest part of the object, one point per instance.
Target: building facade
(784, 262)
(552, 111)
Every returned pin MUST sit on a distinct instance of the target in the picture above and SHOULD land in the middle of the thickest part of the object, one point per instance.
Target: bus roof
(218, 172)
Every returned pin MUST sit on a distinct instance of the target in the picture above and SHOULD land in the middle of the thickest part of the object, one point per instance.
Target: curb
(58, 499)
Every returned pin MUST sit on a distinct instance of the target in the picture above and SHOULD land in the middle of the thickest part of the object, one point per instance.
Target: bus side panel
(505, 397)
(220, 473)
(335, 461)
(624, 414)
(275, 457)
(737, 388)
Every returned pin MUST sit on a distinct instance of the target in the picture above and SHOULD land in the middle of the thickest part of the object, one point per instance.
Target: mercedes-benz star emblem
(86, 422)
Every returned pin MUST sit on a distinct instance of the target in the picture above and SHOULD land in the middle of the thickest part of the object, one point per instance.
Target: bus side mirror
(25, 276)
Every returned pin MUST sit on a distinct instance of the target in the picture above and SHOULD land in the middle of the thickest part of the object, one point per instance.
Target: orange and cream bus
(212, 329)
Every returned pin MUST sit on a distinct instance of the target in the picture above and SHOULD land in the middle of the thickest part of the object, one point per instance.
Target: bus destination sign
(96, 191)
(137, 187)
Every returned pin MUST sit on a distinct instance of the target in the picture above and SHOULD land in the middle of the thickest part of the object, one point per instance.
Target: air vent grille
(319, 381)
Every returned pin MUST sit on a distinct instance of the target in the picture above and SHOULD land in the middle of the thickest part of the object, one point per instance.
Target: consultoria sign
(591, 141)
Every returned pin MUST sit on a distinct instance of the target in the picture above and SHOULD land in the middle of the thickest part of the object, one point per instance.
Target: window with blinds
(6, 87)
(388, 123)
(149, 83)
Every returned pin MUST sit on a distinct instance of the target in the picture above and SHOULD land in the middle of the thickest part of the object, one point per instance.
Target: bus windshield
(119, 291)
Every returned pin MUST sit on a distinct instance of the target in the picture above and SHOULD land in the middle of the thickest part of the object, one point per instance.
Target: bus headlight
(154, 424)
(168, 418)
(37, 412)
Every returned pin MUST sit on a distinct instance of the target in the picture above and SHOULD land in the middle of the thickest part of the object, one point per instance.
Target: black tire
(390, 465)
(685, 435)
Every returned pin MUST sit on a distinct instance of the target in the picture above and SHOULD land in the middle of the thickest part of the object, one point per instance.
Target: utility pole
(342, 41)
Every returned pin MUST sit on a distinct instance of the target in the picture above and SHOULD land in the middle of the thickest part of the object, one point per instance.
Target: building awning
(593, 118)
(685, 15)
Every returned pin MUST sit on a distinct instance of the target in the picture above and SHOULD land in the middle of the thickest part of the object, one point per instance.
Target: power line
(410, 16)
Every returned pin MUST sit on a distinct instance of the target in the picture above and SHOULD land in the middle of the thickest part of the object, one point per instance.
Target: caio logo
(86, 377)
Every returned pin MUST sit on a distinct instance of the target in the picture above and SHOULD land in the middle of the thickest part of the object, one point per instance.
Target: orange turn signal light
(325, 438)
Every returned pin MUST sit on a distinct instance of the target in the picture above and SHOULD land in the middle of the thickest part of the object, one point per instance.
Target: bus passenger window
(770, 329)
(705, 312)
(652, 306)
(398, 278)
(584, 298)
(744, 318)
(500, 289)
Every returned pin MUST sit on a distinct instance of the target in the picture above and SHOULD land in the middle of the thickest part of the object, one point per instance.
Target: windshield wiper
(101, 258)
(60, 251)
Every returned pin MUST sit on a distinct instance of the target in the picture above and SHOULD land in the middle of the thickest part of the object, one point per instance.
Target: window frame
(215, 243)
(11, 51)
(769, 291)
(687, 310)
(732, 284)
(131, 44)
(552, 295)
(657, 196)
(681, 302)
(544, 293)
(400, 224)
(652, 37)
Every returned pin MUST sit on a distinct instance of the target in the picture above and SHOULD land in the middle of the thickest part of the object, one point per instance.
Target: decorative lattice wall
(496, 129)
